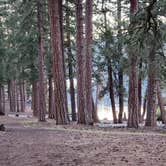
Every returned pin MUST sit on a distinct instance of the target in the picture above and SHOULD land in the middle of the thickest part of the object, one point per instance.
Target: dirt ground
(29, 143)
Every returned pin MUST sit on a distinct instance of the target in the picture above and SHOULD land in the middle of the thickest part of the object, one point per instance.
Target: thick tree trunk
(35, 98)
(41, 86)
(62, 45)
(152, 88)
(12, 95)
(161, 103)
(111, 93)
(152, 69)
(79, 62)
(133, 94)
(133, 77)
(58, 64)
(88, 63)
(70, 66)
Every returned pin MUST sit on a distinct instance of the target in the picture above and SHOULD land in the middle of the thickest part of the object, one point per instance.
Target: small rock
(2, 127)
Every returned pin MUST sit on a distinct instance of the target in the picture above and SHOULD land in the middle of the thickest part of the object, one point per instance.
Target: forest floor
(27, 142)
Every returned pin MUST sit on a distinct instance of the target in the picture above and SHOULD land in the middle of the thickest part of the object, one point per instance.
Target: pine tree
(58, 66)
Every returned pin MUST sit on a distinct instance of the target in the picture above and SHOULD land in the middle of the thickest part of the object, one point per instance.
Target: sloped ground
(28, 143)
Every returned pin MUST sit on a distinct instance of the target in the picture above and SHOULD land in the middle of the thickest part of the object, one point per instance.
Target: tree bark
(2, 100)
(88, 63)
(51, 110)
(41, 86)
(79, 62)
(152, 89)
(58, 64)
(120, 70)
(133, 94)
(12, 95)
(140, 91)
(22, 96)
(62, 45)
(111, 92)
(133, 78)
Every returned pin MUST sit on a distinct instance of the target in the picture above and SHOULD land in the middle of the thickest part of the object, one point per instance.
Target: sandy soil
(28, 143)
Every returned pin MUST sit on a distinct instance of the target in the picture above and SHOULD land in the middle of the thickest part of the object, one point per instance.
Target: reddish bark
(151, 100)
(60, 5)
(133, 94)
(133, 5)
(88, 63)
(79, 62)
(22, 96)
(58, 63)
(133, 78)
(41, 86)
(12, 95)
(51, 110)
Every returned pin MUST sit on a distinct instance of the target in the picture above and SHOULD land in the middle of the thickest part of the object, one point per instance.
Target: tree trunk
(17, 98)
(3, 99)
(79, 62)
(152, 67)
(22, 96)
(70, 66)
(161, 103)
(152, 88)
(133, 78)
(88, 63)
(12, 95)
(51, 110)
(62, 46)
(2, 109)
(109, 70)
(58, 63)
(94, 112)
(111, 92)
(140, 91)
(42, 102)
(133, 94)
(120, 69)
(35, 98)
